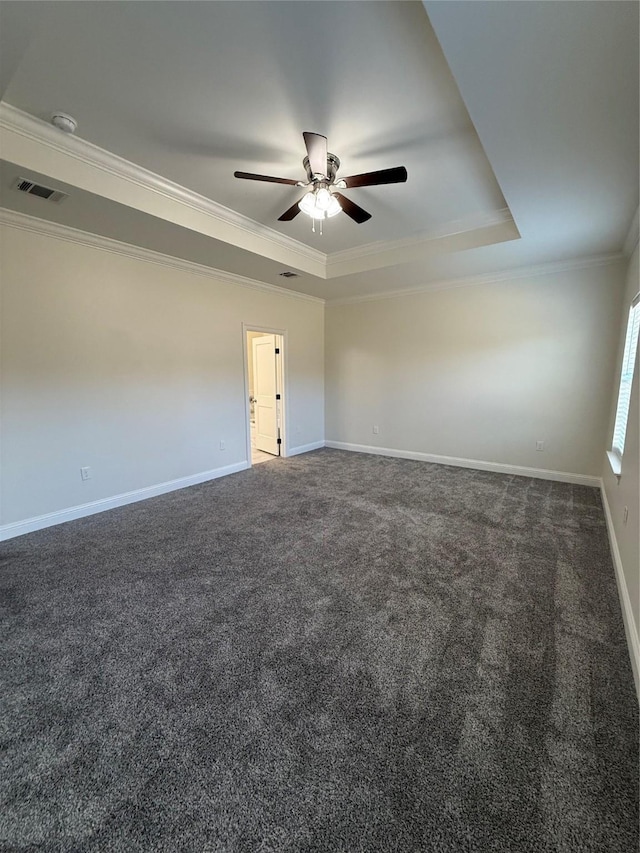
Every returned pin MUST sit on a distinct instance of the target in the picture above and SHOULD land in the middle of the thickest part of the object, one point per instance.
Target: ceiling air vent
(25, 186)
(289, 274)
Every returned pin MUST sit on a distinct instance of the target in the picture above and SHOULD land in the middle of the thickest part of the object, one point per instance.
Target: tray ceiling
(192, 91)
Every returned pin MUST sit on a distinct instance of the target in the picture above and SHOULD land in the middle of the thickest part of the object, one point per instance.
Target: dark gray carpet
(333, 653)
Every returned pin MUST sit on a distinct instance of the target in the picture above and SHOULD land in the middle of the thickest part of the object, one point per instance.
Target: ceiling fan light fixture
(319, 204)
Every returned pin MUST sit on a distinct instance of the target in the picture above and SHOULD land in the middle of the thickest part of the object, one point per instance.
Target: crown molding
(492, 227)
(34, 129)
(532, 271)
(498, 217)
(471, 233)
(633, 234)
(46, 228)
(32, 143)
(21, 221)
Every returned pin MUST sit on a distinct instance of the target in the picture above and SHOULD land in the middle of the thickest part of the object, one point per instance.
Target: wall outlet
(539, 445)
(625, 515)
(375, 429)
(85, 473)
(223, 446)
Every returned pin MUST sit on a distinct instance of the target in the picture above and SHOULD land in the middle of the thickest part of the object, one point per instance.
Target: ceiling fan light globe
(334, 207)
(323, 198)
(307, 203)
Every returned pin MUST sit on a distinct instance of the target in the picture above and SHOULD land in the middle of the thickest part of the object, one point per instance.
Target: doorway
(264, 381)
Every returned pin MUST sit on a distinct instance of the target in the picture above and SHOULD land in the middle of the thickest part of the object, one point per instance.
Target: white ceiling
(498, 110)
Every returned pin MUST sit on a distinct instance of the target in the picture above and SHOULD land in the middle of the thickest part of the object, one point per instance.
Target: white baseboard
(478, 464)
(625, 602)
(305, 448)
(19, 528)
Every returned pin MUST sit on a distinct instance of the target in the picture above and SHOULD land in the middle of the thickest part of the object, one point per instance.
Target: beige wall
(625, 491)
(481, 372)
(134, 369)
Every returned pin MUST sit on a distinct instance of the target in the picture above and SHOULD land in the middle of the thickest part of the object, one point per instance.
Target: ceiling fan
(322, 199)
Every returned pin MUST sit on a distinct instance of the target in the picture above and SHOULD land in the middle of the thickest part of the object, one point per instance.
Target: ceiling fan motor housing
(333, 164)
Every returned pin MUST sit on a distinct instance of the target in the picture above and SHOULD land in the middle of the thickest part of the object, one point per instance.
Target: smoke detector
(64, 122)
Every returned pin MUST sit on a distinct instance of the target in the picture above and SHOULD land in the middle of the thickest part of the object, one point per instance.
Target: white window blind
(626, 378)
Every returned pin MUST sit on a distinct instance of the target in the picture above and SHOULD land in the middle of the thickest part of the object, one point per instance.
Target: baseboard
(478, 464)
(29, 525)
(625, 602)
(305, 448)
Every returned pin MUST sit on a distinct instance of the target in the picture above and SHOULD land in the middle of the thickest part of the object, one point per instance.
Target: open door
(265, 392)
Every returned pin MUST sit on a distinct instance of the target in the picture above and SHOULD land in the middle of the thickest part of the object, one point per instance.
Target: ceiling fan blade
(290, 214)
(397, 175)
(352, 209)
(249, 176)
(317, 151)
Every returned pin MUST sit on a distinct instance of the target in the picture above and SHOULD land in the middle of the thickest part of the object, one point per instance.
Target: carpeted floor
(336, 653)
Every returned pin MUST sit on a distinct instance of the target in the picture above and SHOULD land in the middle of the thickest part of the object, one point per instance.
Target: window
(626, 378)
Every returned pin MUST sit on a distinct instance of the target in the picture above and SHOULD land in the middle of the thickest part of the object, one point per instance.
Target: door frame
(282, 384)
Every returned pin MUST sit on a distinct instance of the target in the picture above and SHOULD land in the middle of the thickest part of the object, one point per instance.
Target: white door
(265, 388)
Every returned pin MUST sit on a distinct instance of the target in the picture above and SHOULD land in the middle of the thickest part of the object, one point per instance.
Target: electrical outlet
(85, 473)
(375, 429)
(625, 515)
(539, 445)
(223, 446)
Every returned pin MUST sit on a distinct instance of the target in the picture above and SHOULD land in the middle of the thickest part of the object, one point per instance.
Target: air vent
(289, 274)
(25, 186)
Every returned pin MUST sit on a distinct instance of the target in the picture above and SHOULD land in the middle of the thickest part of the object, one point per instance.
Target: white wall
(625, 491)
(481, 372)
(134, 369)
